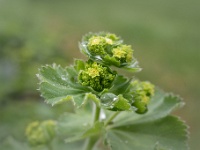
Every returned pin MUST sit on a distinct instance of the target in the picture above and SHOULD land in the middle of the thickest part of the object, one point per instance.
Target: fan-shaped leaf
(169, 132)
(58, 85)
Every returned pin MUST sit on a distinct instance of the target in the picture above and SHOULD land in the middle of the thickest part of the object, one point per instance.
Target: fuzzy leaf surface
(59, 84)
(154, 130)
(161, 105)
(169, 132)
(78, 126)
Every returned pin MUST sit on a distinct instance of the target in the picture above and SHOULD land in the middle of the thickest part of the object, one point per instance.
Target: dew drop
(111, 106)
(98, 57)
(102, 115)
(114, 99)
(63, 78)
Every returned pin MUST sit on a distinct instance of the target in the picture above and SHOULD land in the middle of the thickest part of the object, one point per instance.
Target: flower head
(40, 133)
(142, 93)
(97, 45)
(109, 49)
(96, 76)
(124, 53)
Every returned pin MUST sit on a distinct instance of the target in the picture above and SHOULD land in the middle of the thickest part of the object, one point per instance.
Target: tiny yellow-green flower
(109, 41)
(118, 52)
(93, 72)
(95, 40)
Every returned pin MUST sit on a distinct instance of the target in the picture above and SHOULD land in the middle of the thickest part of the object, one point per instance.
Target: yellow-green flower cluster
(109, 49)
(123, 53)
(40, 132)
(98, 45)
(142, 92)
(96, 76)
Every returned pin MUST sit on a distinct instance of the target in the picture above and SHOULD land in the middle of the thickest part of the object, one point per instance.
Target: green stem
(111, 118)
(97, 114)
(89, 143)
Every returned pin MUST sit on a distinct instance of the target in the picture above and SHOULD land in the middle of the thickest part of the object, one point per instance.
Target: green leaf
(151, 131)
(11, 143)
(96, 130)
(122, 103)
(111, 60)
(160, 105)
(79, 65)
(120, 85)
(169, 132)
(133, 66)
(58, 85)
(78, 126)
(73, 124)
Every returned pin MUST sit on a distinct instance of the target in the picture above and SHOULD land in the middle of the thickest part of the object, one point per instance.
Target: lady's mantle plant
(126, 114)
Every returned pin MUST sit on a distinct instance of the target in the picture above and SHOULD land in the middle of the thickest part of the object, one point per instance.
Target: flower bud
(123, 53)
(40, 133)
(142, 93)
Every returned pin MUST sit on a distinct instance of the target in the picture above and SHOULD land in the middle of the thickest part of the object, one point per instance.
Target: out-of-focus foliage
(22, 50)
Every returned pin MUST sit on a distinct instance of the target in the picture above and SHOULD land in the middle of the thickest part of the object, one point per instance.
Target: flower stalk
(109, 120)
(89, 142)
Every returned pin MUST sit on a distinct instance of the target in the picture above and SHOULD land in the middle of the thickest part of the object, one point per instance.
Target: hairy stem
(111, 118)
(89, 143)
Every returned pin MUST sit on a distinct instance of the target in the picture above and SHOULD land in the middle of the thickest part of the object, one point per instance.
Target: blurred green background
(164, 34)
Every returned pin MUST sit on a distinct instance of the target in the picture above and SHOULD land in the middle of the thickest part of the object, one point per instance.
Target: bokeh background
(165, 35)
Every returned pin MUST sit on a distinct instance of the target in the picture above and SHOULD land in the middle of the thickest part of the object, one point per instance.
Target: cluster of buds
(99, 45)
(96, 76)
(39, 133)
(109, 49)
(123, 53)
(142, 93)
(104, 50)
